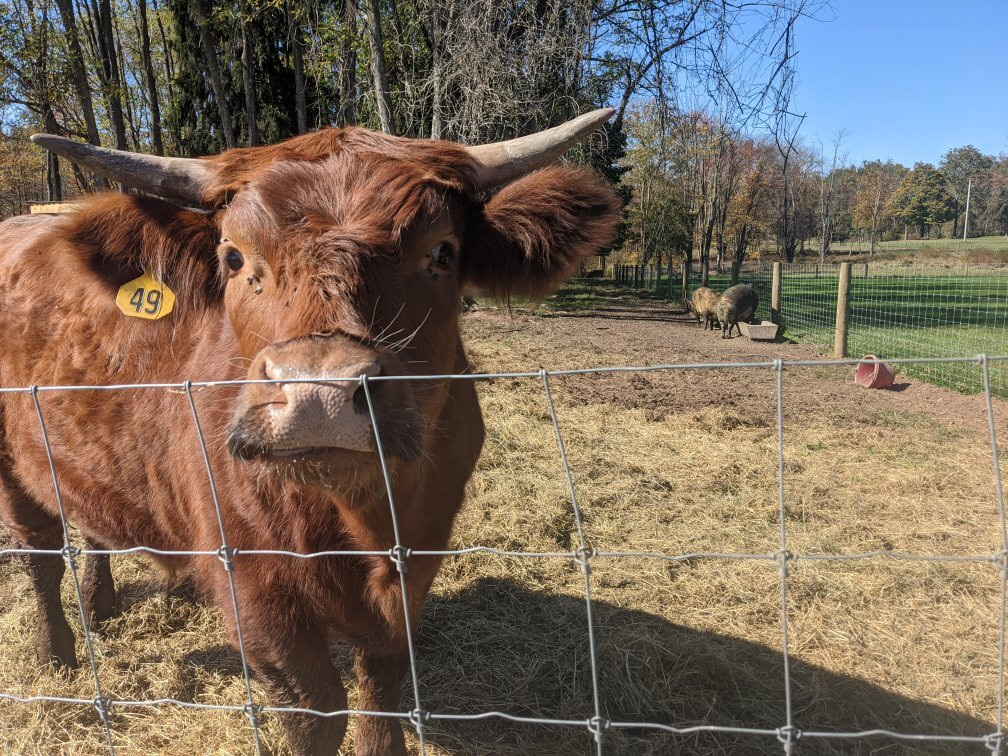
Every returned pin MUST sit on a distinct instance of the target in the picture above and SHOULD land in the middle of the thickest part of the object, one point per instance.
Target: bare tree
(150, 80)
(213, 71)
(383, 103)
(248, 77)
(827, 194)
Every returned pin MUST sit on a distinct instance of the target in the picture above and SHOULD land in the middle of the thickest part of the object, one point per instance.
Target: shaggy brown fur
(353, 245)
(703, 304)
(737, 304)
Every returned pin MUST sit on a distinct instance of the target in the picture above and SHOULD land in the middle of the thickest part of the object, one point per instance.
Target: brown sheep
(703, 304)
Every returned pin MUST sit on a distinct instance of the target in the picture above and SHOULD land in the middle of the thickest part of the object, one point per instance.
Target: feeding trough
(873, 373)
(759, 330)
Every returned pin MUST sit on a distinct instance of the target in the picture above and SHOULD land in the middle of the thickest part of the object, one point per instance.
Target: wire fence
(910, 311)
(788, 733)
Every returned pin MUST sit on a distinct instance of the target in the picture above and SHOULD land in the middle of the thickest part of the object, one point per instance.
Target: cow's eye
(234, 259)
(443, 254)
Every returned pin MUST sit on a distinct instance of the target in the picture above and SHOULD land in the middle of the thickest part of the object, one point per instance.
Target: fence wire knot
(585, 553)
(419, 718)
(789, 734)
(225, 553)
(999, 561)
(994, 741)
(399, 554)
(782, 558)
(252, 710)
(101, 704)
(70, 554)
(596, 724)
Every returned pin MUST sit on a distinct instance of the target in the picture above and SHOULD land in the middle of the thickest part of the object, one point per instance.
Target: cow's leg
(379, 688)
(303, 676)
(97, 588)
(291, 659)
(54, 640)
(32, 527)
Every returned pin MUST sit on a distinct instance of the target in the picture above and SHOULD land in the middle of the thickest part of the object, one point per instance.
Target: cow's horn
(502, 162)
(178, 179)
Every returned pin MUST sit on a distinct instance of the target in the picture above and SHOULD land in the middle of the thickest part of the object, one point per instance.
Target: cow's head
(345, 253)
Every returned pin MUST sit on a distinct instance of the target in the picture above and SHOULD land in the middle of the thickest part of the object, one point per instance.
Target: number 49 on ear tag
(145, 297)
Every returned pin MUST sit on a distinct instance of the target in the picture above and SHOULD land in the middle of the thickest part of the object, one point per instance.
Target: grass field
(993, 243)
(671, 463)
(914, 313)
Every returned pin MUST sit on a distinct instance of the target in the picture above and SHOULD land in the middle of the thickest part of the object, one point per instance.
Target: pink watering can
(872, 373)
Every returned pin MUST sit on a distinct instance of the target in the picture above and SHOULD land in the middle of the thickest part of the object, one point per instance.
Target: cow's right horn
(178, 179)
(502, 162)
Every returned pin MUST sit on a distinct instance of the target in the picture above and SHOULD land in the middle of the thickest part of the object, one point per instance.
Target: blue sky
(907, 79)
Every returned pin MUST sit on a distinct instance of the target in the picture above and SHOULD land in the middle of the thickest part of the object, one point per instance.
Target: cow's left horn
(502, 162)
(178, 179)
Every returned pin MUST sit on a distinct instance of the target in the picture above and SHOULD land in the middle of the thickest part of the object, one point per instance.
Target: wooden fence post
(775, 294)
(685, 282)
(842, 308)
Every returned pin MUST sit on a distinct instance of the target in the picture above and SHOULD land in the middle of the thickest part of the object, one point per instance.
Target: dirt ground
(680, 464)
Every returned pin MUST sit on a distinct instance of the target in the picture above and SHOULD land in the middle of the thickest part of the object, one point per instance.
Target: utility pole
(969, 188)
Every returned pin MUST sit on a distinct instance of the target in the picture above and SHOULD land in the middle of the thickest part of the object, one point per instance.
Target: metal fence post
(842, 308)
(775, 293)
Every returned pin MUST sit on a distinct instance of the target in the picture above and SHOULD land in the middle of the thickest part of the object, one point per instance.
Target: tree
(750, 212)
(922, 199)
(659, 223)
(827, 195)
(960, 166)
(874, 185)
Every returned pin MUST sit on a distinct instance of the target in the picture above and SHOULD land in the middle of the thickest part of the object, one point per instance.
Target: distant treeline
(704, 186)
(193, 77)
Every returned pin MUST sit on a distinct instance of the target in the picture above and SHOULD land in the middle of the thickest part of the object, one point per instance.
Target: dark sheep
(736, 305)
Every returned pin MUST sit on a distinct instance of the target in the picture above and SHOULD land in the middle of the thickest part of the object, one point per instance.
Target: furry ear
(533, 234)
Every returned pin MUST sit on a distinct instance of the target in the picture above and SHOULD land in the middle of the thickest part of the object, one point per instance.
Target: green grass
(892, 315)
(979, 242)
(901, 316)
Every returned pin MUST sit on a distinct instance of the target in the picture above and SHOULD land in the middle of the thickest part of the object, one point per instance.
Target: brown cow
(337, 254)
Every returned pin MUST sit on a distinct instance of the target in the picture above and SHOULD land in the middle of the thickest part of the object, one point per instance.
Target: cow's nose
(320, 411)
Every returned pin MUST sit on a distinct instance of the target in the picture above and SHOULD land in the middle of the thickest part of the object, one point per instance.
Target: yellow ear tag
(145, 297)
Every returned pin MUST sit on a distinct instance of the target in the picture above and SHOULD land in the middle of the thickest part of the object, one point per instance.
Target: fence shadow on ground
(500, 646)
(497, 645)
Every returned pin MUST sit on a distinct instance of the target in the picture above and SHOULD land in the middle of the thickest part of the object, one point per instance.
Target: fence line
(912, 310)
(787, 734)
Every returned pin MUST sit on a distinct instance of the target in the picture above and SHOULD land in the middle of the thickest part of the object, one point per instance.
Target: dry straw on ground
(664, 462)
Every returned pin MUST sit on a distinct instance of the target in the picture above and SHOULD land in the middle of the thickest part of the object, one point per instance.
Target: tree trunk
(741, 242)
(54, 185)
(157, 142)
(78, 77)
(348, 74)
(128, 93)
(294, 32)
(248, 80)
(210, 56)
(111, 78)
(382, 102)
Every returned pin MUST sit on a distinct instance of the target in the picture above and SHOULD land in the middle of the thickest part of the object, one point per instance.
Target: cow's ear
(531, 236)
